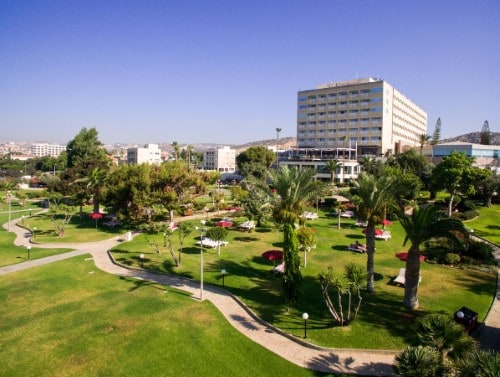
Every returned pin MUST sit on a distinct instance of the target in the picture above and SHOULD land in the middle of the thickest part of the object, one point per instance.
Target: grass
(382, 316)
(70, 319)
(487, 224)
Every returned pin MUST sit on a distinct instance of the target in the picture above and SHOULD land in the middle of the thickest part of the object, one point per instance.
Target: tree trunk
(450, 204)
(412, 277)
(370, 256)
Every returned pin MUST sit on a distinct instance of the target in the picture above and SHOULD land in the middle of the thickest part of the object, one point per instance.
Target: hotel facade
(368, 115)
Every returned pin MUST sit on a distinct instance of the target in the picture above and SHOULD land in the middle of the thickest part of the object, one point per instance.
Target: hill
(473, 137)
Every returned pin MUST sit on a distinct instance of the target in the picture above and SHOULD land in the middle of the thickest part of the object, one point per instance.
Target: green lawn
(70, 319)
(487, 225)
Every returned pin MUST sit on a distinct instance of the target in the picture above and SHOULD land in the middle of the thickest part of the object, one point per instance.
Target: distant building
(368, 114)
(44, 149)
(220, 159)
(150, 154)
(485, 156)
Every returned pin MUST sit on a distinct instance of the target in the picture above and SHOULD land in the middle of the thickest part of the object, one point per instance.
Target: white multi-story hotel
(150, 154)
(220, 159)
(367, 114)
(44, 149)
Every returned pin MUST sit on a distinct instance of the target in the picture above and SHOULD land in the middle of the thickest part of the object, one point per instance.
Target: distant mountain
(284, 143)
(474, 137)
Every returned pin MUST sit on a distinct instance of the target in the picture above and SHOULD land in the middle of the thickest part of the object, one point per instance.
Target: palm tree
(423, 139)
(372, 197)
(95, 180)
(176, 147)
(189, 149)
(292, 190)
(424, 223)
(332, 166)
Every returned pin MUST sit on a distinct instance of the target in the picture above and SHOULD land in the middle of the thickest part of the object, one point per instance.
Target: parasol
(273, 255)
(225, 224)
(404, 256)
(378, 232)
(386, 222)
(96, 216)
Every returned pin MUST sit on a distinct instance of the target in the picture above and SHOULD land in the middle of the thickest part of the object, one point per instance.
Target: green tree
(418, 361)
(487, 187)
(95, 182)
(292, 190)
(176, 148)
(217, 233)
(255, 161)
(423, 139)
(372, 197)
(436, 136)
(86, 150)
(184, 230)
(424, 224)
(479, 363)
(454, 174)
(485, 135)
(347, 285)
(332, 166)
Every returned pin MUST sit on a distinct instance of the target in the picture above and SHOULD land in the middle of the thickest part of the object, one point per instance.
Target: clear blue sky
(229, 71)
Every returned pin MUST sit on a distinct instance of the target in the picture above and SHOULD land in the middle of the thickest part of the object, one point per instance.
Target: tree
(418, 361)
(60, 213)
(291, 191)
(487, 187)
(95, 181)
(176, 147)
(485, 136)
(372, 196)
(332, 166)
(256, 203)
(423, 140)
(479, 363)
(347, 285)
(424, 224)
(217, 233)
(454, 174)
(184, 230)
(86, 150)
(255, 161)
(436, 136)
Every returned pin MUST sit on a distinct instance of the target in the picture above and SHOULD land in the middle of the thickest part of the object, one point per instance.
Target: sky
(228, 72)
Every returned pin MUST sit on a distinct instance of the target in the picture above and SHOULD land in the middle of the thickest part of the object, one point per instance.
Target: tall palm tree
(423, 224)
(95, 181)
(332, 166)
(292, 190)
(423, 139)
(176, 147)
(372, 198)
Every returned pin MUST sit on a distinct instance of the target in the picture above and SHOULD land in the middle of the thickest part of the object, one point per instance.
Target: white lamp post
(305, 317)
(142, 260)
(8, 201)
(28, 247)
(306, 250)
(202, 232)
(34, 232)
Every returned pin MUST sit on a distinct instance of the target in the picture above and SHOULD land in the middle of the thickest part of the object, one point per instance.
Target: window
(376, 90)
(302, 98)
(302, 115)
(311, 97)
(302, 107)
(377, 99)
(376, 109)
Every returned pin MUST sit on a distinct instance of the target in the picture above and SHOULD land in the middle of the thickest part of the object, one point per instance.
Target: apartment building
(368, 114)
(220, 159)
(149, 154)
(44, 149)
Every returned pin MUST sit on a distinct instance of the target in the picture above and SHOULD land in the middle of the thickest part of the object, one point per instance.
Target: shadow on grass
(246, 239)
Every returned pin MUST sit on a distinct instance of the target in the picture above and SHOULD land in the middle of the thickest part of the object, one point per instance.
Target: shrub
(467, 205)
(452, 258)
(468, 215)
(480, 251)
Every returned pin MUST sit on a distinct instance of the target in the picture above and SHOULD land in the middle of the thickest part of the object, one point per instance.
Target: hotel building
(220, 159)
(368, 115)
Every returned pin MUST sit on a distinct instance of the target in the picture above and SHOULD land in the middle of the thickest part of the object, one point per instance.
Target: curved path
(293, 349)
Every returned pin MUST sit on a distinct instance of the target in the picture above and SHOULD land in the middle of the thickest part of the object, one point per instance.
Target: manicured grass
(382, 323)
(487, 224)
(70, 319)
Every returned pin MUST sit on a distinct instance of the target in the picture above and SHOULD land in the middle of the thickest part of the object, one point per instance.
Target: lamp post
(223, 272)
(28, 247)
(142, 260)
(8, 201)
(305, 316)
(164, 239)
(34, 232)
(306, 250)
(278, 130)
(202, 232)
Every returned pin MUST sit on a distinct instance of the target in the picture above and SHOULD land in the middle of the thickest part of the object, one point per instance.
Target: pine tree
(436, 136)
(485, 134)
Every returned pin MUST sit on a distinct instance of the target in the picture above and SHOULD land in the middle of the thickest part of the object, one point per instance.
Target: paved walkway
(293, 349)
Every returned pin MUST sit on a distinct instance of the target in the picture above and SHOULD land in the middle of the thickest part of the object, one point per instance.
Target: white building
(220, 159)
(368, 113)
(150, 154)
(44, 149)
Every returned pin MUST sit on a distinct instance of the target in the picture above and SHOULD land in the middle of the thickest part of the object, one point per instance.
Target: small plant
(452, 258)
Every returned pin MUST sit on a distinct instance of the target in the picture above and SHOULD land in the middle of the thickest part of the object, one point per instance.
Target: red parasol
(404, 256)
(378, 232)
(273, 255)
(386, 222)
(225, 224)
(96, 216)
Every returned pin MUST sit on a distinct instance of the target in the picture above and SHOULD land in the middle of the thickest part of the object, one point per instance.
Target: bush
(467, 205)
(480, 251)
(471, 214)
(452, 258)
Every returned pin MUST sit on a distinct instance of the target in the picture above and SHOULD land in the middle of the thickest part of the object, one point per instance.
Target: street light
(142, 260)
(223, 272)
(34, 232)
(28, 247)
(202, 232)
(8, 201)
(305, 316)
(306, 250)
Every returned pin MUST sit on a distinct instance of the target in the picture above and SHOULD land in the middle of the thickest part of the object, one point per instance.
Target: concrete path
(293, 349)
